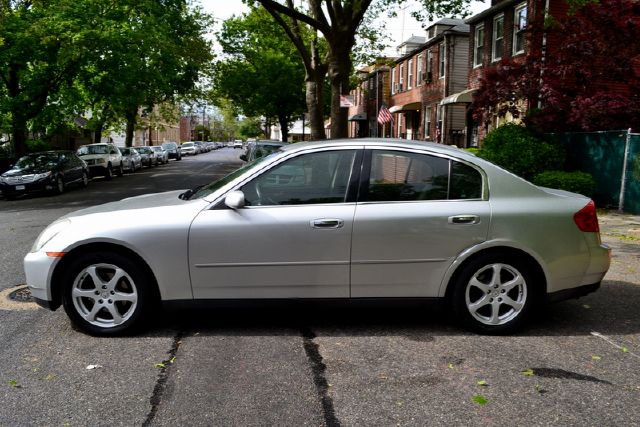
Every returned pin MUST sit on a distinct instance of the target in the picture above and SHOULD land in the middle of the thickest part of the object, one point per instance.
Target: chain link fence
(613, 158)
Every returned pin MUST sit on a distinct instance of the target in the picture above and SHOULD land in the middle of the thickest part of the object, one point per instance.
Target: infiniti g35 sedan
(348, 220)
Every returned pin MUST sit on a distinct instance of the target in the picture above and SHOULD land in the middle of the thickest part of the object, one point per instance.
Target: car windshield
(188, 144)
(216, 185)
(36, 160)
(125, 151)
(143, 150)
(93, 149)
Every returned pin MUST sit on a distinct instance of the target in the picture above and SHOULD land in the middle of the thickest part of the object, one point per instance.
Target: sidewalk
(622, 233)
(623, 226)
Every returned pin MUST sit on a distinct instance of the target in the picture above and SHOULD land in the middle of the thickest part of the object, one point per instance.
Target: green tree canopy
(260, 72)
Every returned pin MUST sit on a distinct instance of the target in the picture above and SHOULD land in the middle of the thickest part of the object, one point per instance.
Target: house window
(410, 74)
(394, 89)
(420, 76)
(401, 79)
(479, 46)
(498, 37)
(442, 59)
(429, 66)
(520, 24)
(427, 123)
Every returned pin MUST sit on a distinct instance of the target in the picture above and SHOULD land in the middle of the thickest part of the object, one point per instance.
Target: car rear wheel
(106, 294)
(494, 294)
(85, 179)
(109, 173)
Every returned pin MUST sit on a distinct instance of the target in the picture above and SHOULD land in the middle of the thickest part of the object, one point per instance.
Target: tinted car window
(466, 182)
(403, 176)
(400, 176)
(306, 179)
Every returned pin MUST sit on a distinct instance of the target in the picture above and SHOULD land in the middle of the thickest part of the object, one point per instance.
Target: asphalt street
(576, 364)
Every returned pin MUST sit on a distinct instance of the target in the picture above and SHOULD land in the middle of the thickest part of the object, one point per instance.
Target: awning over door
(464, 97)
(413, 106)
(358, 117)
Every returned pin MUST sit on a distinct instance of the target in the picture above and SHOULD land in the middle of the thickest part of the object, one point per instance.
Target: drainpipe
(623, 185)
(544, 50)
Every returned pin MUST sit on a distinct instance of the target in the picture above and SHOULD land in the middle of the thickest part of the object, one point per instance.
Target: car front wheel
(494, 294)
(109, 173)
(106, 294)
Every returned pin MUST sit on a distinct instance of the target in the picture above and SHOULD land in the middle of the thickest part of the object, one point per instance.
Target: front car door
(416, 212)
(291, 240)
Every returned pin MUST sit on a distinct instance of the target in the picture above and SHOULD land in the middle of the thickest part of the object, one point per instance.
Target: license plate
(19, 187)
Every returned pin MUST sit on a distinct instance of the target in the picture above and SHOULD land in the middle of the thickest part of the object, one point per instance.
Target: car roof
(390, 142)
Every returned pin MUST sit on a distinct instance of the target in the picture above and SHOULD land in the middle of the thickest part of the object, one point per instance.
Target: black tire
(120, 170)
(109, 173)
(179, 157)
(93, 307)
(84, 182)
(494, 294)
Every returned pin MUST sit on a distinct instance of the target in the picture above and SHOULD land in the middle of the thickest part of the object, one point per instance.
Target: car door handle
(463, 219)
(327, 223)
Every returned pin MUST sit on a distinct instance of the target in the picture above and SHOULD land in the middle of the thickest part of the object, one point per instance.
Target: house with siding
(372, 91)
(424, 78)
(501, 32)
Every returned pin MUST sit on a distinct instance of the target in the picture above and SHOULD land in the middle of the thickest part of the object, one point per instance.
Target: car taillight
(586, 218)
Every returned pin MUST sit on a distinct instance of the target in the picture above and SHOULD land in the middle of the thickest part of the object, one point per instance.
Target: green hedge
(520, 151)
(36, 145)
(576, 182)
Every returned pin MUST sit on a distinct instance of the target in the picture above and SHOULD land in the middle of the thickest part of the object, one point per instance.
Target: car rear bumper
(571, 293)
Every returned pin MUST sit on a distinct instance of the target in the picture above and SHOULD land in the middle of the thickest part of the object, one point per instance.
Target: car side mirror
(243, 157)
(235, 200)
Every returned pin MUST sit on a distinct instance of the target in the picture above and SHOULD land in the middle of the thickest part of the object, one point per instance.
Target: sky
(400, 28)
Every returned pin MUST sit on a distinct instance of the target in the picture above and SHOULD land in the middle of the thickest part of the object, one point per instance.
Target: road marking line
(610, 341)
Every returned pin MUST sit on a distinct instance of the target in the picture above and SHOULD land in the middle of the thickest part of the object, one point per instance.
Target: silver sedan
(355, 219)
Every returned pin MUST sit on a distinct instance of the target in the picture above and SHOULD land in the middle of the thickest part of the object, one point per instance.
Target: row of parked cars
(193, 148)
(52, 171)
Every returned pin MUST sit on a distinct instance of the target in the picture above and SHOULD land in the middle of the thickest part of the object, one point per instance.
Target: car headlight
(3, 180)
(40, 176)
(49, 233)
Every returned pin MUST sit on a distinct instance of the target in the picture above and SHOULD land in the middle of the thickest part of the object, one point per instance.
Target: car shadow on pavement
(611, 310)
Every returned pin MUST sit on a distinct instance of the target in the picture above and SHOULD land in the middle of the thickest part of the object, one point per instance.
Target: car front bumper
(44, 184)
(38, 269)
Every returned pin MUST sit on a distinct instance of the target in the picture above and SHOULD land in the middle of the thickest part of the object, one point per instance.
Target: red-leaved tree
(588, 80)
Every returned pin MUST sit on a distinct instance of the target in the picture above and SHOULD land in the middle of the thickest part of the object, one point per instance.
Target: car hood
(93, 156)
(25, 171)
(145, 201)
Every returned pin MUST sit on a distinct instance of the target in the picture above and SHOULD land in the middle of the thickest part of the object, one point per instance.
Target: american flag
(384, 115)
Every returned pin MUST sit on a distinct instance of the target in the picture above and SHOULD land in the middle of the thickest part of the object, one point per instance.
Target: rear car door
(416, 212)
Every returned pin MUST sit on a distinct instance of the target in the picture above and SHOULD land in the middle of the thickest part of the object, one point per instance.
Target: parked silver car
(147, 156)
(161, 154)
(131, 159)
(189, 149)
(355, 219)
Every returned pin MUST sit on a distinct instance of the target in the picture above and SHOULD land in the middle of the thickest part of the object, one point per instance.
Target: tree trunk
(315, 104)
(339, 69)
(284, 127)
(97, 135)
(131, 116)
(150, 140)
(19, 134)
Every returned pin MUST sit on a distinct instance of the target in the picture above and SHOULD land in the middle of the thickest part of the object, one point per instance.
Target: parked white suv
(103, 159)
